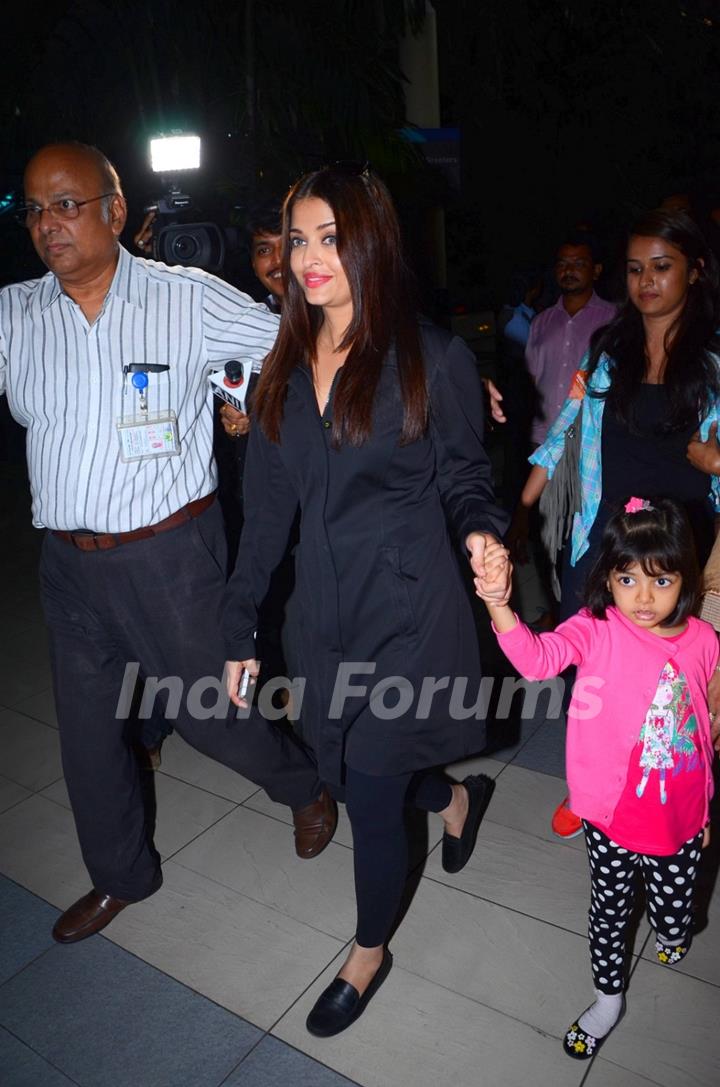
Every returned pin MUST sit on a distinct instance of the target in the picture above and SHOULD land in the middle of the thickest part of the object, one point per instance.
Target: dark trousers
(154, 602)
(572, 586)
(669, 884)
(574, 578)
(375, 806)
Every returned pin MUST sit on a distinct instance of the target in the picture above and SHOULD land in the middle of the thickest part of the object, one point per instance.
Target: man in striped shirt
(105, 361)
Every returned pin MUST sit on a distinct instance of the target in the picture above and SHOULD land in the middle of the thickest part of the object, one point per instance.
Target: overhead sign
(440, 148)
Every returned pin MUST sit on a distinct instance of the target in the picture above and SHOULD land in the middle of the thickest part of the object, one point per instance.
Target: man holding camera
(105, 362)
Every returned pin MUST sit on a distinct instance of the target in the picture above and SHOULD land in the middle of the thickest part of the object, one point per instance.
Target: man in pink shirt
(558, 340)
(560, 335)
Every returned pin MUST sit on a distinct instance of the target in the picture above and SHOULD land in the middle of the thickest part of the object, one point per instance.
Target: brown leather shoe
(315, 825)
(88, 915)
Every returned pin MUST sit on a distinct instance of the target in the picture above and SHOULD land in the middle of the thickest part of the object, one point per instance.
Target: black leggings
(669, 885)
(375, 808)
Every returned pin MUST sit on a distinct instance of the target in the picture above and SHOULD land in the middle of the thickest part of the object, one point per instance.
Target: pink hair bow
(634, 505)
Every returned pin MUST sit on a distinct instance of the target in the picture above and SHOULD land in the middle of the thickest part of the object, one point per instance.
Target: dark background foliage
(575, 112)
(582, 111)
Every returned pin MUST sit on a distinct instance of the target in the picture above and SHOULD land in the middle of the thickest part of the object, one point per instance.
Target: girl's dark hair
(384, 311)
(658, 539)
(690, 373)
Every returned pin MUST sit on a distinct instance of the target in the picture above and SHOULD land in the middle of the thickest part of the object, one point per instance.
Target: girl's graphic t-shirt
(662, 805)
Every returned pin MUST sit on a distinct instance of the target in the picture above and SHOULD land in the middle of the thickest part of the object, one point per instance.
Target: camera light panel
(168, 154)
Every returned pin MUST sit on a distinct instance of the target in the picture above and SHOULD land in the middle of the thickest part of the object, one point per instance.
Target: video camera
(197, 245)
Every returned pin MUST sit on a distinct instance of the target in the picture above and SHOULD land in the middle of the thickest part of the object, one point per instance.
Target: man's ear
(118, 214)
(597, 271)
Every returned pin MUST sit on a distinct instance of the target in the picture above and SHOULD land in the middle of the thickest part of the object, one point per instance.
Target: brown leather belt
(104, 541)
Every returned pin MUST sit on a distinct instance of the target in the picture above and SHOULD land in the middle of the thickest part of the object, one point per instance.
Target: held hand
(496, 588)
(476, 543)
(235, 423)
(235, 672)
(496, 556)
(495, 400)
(706, 837)
(144, 235)
(491, 566)
(705, 456)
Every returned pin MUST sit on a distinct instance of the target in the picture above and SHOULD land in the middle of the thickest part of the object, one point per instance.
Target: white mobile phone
(244, 684)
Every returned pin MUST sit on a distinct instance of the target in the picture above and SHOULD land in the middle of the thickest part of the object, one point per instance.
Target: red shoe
(565, 823)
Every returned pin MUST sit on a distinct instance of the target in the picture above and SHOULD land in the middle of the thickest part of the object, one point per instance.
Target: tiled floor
(209, 981)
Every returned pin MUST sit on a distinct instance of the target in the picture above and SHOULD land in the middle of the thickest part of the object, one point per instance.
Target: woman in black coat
(371, 423)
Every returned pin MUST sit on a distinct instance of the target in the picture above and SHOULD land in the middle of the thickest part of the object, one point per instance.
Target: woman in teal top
(652, 386)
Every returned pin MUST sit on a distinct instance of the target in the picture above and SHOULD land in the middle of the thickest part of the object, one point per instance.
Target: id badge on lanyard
(143, 434)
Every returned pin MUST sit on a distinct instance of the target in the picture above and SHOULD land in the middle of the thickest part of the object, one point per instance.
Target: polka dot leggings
(669, 884)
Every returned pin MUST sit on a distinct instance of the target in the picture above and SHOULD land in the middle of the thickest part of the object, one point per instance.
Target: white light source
(168, 154)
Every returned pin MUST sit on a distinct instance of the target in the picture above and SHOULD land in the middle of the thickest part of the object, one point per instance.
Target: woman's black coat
(378, 591)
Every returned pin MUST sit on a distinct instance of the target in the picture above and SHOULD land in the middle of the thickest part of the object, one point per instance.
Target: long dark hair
(690, 373)
(660, 540)
(384, 312)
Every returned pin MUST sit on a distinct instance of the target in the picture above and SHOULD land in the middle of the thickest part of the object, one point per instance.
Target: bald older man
(105, 361)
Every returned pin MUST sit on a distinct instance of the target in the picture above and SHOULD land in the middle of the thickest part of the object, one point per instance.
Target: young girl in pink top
(639, 739)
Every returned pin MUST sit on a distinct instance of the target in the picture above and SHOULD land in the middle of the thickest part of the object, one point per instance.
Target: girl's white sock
(602, 1016)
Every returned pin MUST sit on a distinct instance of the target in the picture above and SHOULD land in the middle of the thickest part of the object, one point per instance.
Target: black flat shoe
(582, 1046)
(456, 852)
(341, 1004)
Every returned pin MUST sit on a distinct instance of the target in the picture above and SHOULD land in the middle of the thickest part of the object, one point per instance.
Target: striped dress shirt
(65, 383)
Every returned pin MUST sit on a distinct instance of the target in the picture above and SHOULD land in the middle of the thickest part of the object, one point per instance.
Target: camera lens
(185, 248)
(199, 245)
